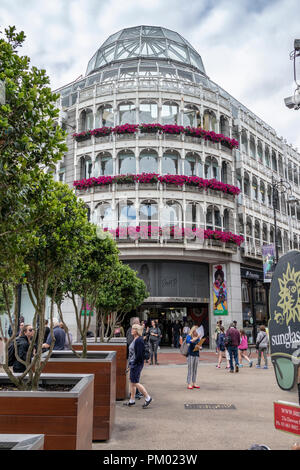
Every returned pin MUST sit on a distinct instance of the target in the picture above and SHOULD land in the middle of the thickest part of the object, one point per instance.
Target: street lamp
(293, 102)
(281, 186)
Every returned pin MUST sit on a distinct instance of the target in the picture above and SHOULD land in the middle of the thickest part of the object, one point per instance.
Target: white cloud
(244, 44)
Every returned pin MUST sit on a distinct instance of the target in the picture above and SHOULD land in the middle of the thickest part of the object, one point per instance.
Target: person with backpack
(262, 343)
(232, 341)
(192, 339)
(136, 363)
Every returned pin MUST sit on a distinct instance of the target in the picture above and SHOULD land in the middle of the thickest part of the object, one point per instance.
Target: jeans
(259, 353)
(176, 340)
(153, 350)
(192, 369)
(233, 353)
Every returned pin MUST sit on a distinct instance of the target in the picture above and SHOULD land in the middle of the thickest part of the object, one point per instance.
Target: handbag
(258, 342)
(184, 348)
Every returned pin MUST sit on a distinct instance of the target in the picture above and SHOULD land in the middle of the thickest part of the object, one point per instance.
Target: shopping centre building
(182, 174)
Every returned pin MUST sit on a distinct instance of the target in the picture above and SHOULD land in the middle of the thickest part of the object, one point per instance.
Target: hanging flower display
(162, 129)
(174, 232)
(177, 180)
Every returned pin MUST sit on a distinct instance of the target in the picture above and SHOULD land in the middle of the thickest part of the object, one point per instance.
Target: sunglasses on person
(285, 371)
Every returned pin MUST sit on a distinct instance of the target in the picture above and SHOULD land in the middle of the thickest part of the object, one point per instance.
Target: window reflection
(127, 163)
(170, 163)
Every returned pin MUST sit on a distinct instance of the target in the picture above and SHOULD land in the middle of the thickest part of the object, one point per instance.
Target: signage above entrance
(186, 300)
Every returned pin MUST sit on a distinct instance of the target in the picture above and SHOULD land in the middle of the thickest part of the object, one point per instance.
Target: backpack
(11, 354)
(227, 341)
(146, 351)
(184, 348)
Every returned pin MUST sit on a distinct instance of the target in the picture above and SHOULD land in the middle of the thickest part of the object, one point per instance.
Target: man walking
(232, 340)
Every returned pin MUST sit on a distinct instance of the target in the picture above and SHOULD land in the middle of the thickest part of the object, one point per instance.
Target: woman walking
(136, 364)
(243, 349)
(262, 343)
(192, 340)
(221, 346)
(154, 337)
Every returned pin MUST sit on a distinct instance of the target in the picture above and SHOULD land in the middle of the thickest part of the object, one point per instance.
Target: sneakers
(147, 403)
(138, 396)
(241, 365)
(218, 367)
(236, 368)
(128, 403)
(231, 371)
(266, 367)
(250, 363)
(257, 366)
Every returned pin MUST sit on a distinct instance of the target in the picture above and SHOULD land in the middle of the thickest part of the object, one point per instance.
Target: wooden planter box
(21, 441)
(65, 418)
(120, 347)
(103, 365)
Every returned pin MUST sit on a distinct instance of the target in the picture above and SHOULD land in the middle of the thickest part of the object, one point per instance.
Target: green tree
(122, 292)
(30, 141)
(65, 230)
(94, 266)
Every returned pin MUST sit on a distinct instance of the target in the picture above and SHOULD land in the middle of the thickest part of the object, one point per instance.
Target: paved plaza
(166, 424)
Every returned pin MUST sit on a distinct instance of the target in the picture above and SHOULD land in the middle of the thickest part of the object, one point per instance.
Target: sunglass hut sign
(284, 324)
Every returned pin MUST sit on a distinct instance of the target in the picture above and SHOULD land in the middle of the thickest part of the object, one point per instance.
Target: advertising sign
(219, 290)
(287, 417)
(284, 323)
(268, 255)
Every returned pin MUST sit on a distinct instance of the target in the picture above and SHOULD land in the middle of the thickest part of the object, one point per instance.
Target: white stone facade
(154, 89)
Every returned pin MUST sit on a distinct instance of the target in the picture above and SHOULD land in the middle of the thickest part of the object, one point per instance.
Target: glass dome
(149, 42)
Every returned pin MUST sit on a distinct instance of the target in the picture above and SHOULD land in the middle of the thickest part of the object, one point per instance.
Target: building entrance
(170, 314)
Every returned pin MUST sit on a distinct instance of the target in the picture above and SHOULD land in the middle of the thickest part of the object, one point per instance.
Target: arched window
(148, 161)
(252, 147)
(127, 113)
(296, 180)
(126, 214)
(191, 116)
(260, 151)
(224, 126)
(227, 220)
(105, 116)
(170, 161)
(86, 167)
(170, 113)
(171, 214)
(103, 165)
(148, 213)
(209, 120)
(226, 176)
(148, 112)
(246, 184)
(267, 157)
(104, 215)
(257, 230)
(262, 192)
(213, 218)
(211, 169)
(190, 164)
(194, 216)
(265, 233)
(254, 188)
(126, 162)
(280, 166)
(244, 139)
(86, 120)
(274, 161)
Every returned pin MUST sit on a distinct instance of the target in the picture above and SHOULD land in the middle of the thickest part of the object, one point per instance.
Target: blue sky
(244, 44)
